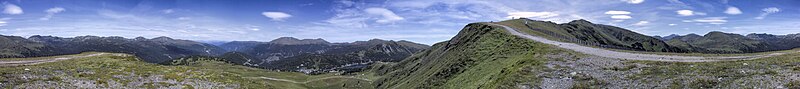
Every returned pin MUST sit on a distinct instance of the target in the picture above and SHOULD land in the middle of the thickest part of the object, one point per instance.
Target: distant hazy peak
(373, 41)
(162, 38)
(295, 41)
(719, 33)
(692, 34)
(140, 38)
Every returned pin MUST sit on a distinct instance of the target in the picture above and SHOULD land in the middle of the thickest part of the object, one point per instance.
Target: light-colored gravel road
(630, 56)
(34, 62)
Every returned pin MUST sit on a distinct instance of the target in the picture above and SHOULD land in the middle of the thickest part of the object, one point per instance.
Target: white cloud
(252, 27)
(685, 12)
(672, 24)
(733, 11)
(613, 12)
(3, 23)
(633, 1)
(641, 23)
(621, 17)
(52, 11)
(710, 20)
(276, 16)
(12, 9)
(388, 15)
(540, 15)
(767, 11)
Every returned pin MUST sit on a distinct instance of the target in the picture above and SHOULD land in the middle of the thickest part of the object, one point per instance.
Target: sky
(423, 21)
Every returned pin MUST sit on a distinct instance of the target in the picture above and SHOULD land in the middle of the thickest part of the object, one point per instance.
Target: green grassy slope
(480, 56)
(122, 71)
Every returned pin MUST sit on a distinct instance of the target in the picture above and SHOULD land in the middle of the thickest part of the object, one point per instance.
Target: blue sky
(424, 21)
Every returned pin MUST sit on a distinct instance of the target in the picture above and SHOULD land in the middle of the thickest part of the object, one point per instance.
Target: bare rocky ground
(564, 71)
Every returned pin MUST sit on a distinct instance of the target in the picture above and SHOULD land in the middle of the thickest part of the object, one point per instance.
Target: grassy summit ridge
(480, 56)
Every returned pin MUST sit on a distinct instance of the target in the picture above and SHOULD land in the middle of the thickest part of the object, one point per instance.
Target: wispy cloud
(634, 1)
(3, 22)
(12, 9)
(615, 12)
(621, 17)
(767, 11)
(52, 11)
(710, 20)
(641, 23)
(388, 15)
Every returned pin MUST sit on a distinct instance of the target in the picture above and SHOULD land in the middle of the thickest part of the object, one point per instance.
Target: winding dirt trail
(631, 56)
(34, 62)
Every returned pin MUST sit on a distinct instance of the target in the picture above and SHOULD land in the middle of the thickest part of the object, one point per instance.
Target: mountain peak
(295, 41)
(371, 41)
(162, 38)
(717, 33)
(580, 21)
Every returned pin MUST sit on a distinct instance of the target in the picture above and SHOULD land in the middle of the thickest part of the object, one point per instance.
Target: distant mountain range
(285, 53)
(720, 42)
(315, 55)
(587, 33)
(154, 50)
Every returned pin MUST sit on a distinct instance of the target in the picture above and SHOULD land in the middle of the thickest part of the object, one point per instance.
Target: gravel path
(34, 62)
(631, 56)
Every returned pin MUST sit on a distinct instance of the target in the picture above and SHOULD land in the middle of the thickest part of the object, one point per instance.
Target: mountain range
(599, 35)
(315, 55)
(154, 50)
(585, 32)
(720, 42)
(285, 53)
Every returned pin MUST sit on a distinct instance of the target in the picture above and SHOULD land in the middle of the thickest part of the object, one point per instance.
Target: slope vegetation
(121, 71)
(480, 56)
